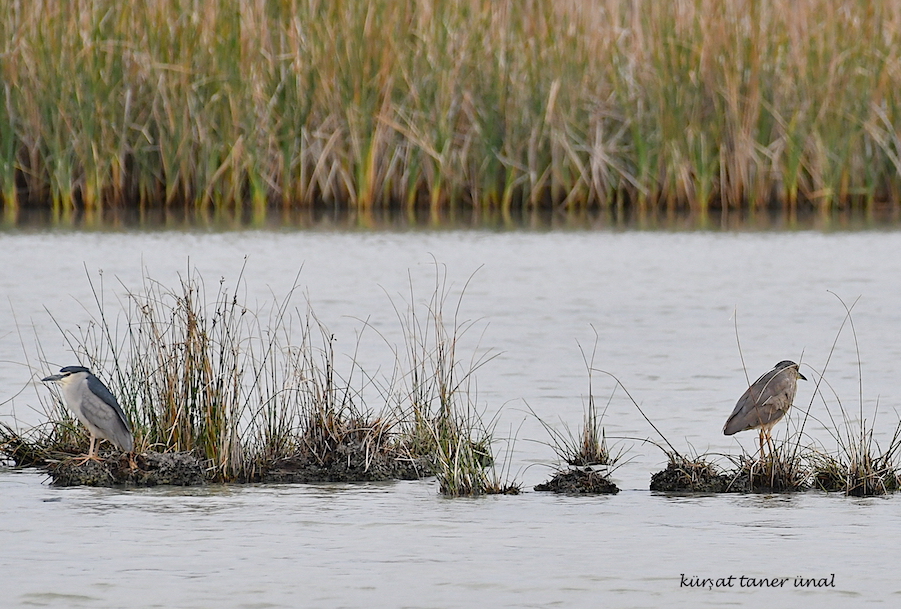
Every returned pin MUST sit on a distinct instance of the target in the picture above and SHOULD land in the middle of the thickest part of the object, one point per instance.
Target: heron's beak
(52, 378)
(802, 377)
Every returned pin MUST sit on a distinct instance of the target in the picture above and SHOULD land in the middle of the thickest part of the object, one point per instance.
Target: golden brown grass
(494, 104)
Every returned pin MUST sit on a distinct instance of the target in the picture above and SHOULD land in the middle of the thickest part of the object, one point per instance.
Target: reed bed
(226, 105)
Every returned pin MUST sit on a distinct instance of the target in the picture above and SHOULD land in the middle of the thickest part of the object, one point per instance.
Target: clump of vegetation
(232, 387)
(862, 473)
(860, 467)
(436, 400)
(588, 446)
(426, 104)
(579, 482)
(56, 439)
(26, 449)
(586, 452)
(783, 469)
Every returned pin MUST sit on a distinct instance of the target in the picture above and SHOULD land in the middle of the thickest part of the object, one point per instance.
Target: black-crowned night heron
(765, 402)
(95, 406)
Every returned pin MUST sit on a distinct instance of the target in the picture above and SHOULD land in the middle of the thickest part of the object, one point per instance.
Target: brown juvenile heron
(95, 406)
(765, 402)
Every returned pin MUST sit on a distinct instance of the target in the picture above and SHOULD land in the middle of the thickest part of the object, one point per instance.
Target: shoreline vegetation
(258, 108)
(219, 392)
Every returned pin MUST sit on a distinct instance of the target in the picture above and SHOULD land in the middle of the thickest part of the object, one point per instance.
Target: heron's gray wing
(106, 408)
(105, 419)
(780, 391)
(745, 415)
(100, 390)
(766, 400)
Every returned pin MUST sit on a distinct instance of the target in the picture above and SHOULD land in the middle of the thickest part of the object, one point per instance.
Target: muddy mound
(697, 477)
(148, 469)
(185, 469)
(302, 469)
(579, 481)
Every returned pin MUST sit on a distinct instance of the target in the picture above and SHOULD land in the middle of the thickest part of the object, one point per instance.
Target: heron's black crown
(786, 363)
(74, 369)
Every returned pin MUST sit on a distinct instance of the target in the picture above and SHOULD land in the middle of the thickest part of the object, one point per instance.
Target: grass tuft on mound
(259, 396)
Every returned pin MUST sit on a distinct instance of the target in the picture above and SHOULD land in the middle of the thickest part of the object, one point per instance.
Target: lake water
(664, 306)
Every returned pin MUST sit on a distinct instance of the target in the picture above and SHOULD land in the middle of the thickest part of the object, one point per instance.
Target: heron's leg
(91, 456)
(760, 436)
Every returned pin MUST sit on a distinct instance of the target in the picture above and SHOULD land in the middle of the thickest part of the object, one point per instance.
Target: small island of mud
(692, 478)
(579, 482)
(303, 470)
(147, 469)
(186, 469)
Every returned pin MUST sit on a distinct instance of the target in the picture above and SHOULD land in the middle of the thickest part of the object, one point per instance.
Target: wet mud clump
(692, 476)
(303, 469)
(579, 482)
(147, 469)
(185, 469)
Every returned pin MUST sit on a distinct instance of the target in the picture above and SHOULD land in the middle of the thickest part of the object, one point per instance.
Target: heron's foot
(132, 464)
(79, 461)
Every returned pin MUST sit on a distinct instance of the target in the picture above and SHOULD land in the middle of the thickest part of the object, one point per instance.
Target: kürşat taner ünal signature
(744, 581)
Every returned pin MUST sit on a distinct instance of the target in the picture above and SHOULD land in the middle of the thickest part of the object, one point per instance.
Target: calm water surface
(664, 307)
